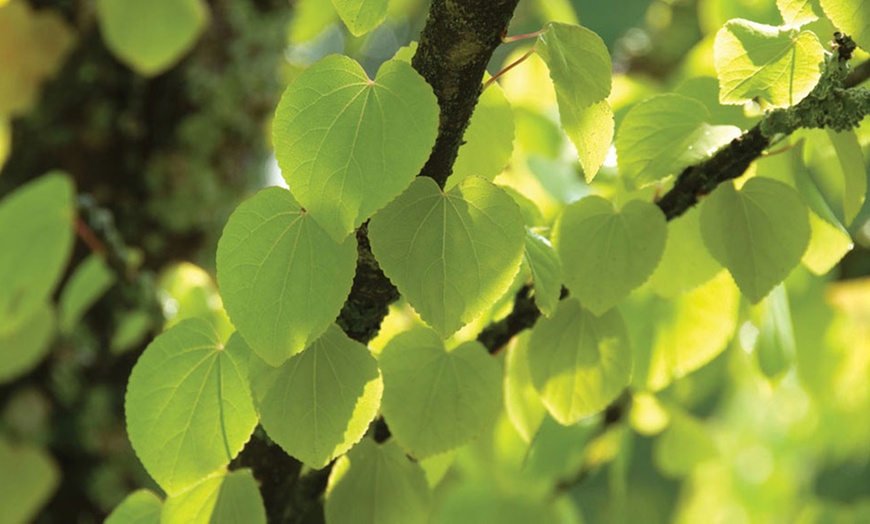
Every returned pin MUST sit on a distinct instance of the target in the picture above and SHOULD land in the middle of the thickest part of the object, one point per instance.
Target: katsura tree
(496, 297)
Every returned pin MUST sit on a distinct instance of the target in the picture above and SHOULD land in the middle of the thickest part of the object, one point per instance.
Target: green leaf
(282, 278)
(685, 444)
(24, 346)
(662, 135)
(778, 65)
(361, 16)
(691, 330)
(522, 402)
(579, 362)
(851, 17)
(581, 70)
(140, 507)
(229, 498)
(607, 252)
(854, 171)
(318, 404)
(759, 233)
(189, 409)
(5, 140)
(90, 280)
(188, 291)
(152, 36)
(36, 235)
(346, 144)
(28, 477)
(799, 12)
(686, 263)
(546, 271)
(775, 345)
(578, 61)
(829, 243)
(450, 254)
(489, 139)
(310, 18)
(434, 399)
(377, 484)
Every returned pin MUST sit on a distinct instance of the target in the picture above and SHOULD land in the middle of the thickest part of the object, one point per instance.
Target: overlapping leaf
(189, 409)
(686, 263)
(799, 12)
(361, 16)
(346, 144)
(579, 362)
(852, 163)
(283, 279)
(434, 399)
(581, 69)
(607, 252)
(522, 402)
(140, 507)
(662, 135)
(759, 233)
(151, 36)
(228, 498)
(546, 271)
(775, 346)
(777, 65)
(36, 234)
(851, 17)
(450, 254)
(318, 404)
(377, 484)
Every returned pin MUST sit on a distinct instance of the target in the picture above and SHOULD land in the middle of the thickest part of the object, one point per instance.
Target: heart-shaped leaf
(361, 16)
(140, 507)
(579, 363)
(778, 65)
(450, 254)
(151, 36)
(318, 404)
(283, 279)
(346, 144)
(799, 12)
(759, 233)
(228, 498)
(434, 399)
(188, 405)
(377, 484)
(607, 252)
(662, 135)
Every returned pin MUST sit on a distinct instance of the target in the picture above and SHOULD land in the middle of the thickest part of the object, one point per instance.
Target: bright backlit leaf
(581, 70)
(377, 484)
(229, 498)
(829, 243)
(189, 409)
(189, 291)
(24, 345)
(140, 507)
(759, 233)
(36, 235)
(851, 17)
(283, 279)
(579, 63)
(28, 477)
(777, 65)
(435, 399)
(346, 144)
(546, 271)
(318, 404)
(775, 345)
(686, 263)
(361, 16)
(662, 135)
(579, 362)
(607, 252)
(5, 140)
(522, 402)
(489, 139)
(798, 12)
(854, 171)
(151, 36)
(87, 284)
(691, 330)
(450, 254)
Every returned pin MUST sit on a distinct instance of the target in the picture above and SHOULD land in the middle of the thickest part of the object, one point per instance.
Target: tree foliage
(488, 295)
